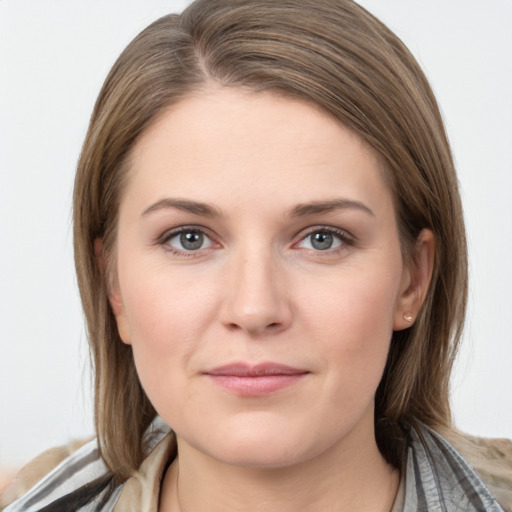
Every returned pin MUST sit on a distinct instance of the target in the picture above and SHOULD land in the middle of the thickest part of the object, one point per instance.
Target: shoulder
(37, 469)
(492, 460)
(53, 474)
(441, 472)
(75, 477)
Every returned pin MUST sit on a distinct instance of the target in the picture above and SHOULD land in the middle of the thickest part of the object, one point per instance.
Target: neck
(350, 476)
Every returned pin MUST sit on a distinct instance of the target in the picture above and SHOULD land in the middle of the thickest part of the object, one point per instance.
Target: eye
(187, 240)
(324, 239)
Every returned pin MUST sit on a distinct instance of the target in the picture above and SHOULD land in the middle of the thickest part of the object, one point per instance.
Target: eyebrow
(197, 208)
(318, 207)
(300, 210)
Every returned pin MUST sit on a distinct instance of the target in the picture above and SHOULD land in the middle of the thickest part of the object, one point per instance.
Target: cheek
(164, 307)
(354, 322)
(167, 314)
(358, 304)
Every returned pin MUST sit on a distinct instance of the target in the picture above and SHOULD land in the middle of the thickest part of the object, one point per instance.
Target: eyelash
(169, 235)
(346, 240)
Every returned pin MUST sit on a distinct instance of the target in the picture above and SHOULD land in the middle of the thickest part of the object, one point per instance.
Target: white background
(54, 56)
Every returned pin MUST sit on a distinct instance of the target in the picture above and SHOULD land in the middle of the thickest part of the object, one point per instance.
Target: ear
(416, 279)
(114, 293)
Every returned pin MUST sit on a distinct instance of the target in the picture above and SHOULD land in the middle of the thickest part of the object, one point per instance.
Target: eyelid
(346, 238)
(167, 235)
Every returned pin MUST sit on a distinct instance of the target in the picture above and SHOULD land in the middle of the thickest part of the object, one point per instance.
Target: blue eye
(188, 240)
(322, 240)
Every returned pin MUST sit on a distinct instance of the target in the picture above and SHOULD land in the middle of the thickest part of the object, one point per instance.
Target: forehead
(235, 143)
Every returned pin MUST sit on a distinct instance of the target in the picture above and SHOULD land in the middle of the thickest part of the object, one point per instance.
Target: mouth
(255, 380)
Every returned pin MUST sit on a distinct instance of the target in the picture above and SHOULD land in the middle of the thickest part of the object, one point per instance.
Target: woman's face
(259, 277)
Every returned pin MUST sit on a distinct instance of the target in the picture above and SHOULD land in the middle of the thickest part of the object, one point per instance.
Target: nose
(256, 300)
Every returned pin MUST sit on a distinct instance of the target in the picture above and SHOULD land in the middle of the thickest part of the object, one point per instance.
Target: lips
(255, 380)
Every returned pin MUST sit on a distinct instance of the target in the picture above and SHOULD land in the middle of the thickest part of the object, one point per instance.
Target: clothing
(435, 478)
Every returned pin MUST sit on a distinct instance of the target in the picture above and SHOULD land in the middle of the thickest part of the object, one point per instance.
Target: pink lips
(255, 380)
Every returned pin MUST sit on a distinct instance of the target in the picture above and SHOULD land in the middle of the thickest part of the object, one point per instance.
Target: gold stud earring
(408, 317)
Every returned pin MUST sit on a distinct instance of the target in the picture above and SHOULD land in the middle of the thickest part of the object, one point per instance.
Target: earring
(408, 317)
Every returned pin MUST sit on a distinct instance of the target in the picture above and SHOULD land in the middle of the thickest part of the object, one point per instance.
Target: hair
(338, 56)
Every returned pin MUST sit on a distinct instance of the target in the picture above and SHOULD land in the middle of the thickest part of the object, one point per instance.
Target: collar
(142, 490)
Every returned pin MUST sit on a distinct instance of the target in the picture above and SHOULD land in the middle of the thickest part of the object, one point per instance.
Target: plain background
(54, 56)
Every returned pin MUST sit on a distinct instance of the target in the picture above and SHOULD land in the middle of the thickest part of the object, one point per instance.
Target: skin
(259, 290)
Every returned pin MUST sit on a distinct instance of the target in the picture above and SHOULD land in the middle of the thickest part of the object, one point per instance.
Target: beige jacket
(491, 458)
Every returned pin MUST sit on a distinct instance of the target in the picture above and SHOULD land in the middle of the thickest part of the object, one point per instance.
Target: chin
(258, 454)
(261, 444)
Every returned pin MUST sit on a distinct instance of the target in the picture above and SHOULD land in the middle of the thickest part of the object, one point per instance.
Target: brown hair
(330, 52)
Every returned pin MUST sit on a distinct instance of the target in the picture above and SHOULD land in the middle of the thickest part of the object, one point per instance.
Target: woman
(272, 262)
